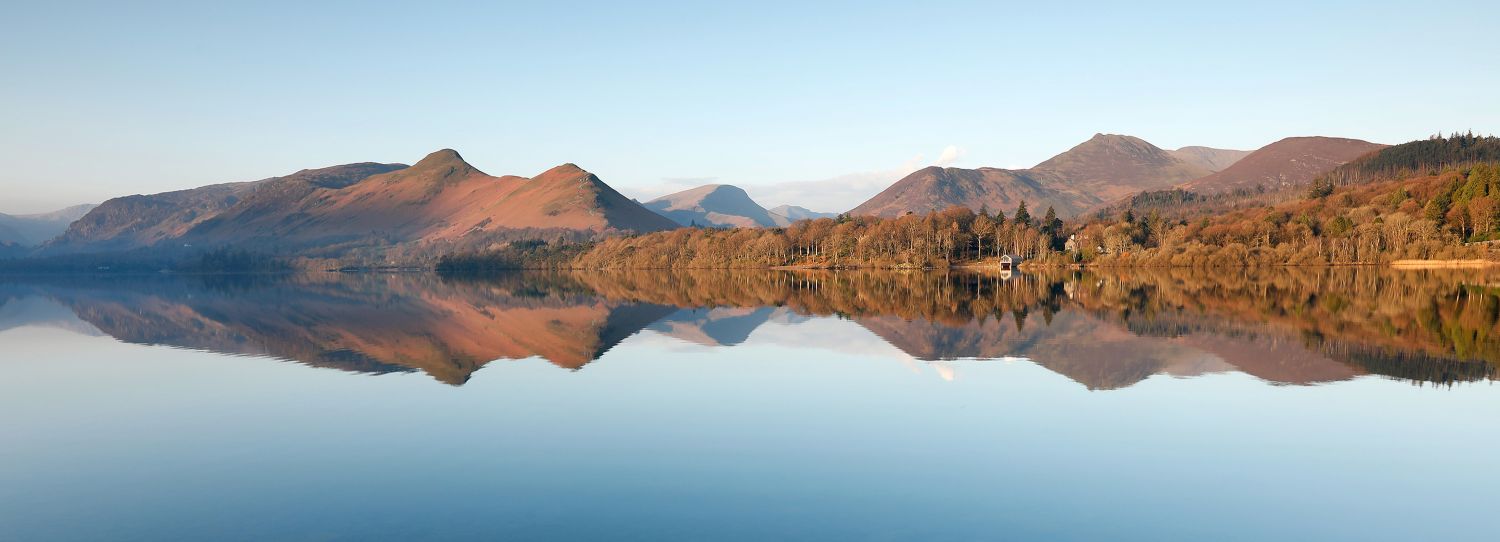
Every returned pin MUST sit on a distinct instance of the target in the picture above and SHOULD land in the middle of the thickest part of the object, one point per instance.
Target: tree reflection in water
(1105, 329)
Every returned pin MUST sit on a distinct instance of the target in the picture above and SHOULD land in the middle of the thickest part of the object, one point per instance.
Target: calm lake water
(1313, 404)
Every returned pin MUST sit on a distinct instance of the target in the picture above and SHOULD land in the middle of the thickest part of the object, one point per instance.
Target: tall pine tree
(1023, 217)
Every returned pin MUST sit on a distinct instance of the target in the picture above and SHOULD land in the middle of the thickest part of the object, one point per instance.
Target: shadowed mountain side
(35, 229)
(795, 213)
(1209, 158)
(715, 205)
(146, 220)
(934, 188)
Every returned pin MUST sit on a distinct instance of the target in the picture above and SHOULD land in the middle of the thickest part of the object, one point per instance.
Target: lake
(1274, 404)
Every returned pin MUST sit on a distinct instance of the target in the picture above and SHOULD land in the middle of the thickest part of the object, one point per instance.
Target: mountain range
(34, 229)
(439, 200)
(1104, 168)
(443, 203)
(1109, 167)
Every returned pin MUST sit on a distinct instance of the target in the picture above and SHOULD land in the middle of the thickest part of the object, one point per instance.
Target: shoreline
(1443, 264)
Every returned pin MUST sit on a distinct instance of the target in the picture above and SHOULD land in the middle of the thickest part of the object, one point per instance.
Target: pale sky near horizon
(819, 105)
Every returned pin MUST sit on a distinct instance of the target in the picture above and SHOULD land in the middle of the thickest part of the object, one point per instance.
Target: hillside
(1289, 163)
(137, 221)
(1209, 158)
(1421, 156)
(34, 229)
(795, 213)
(440, 199)
(1443, 207)
(715, 205)
(934, 188)
(1109, 167)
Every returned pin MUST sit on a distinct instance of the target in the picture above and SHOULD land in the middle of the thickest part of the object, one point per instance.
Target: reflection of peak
(713, 327)
(364, 324)
(1090, 351)
(23, 309)
(1102, 331)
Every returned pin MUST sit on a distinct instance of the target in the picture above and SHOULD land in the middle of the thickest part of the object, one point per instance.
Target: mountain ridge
(441, 199)
(1285, 163)
(715, 205)
(23, 231)
(1092, 173)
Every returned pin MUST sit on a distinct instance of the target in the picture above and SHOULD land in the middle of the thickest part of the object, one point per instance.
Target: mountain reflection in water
(1103, 329)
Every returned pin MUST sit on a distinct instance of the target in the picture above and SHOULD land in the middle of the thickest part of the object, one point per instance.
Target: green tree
(1023, 217)
(1051, 225)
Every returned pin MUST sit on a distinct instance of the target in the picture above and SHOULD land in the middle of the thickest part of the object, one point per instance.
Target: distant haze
(819, 105)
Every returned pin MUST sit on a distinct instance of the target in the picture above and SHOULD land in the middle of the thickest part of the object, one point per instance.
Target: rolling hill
(934, 188)
(1109, 167)
(1289, 163)
(715, 205)
(795, 213)
(1209, 158)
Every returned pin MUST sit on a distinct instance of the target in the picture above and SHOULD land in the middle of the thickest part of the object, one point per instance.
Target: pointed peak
(440, 156)
(566, 170)
(441, 164)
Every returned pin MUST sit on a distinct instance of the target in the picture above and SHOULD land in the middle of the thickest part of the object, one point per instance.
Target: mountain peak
(717, 205)
(443, 165)
(441, 157)
(565, 171)
(1111, 166)
(1289, 162)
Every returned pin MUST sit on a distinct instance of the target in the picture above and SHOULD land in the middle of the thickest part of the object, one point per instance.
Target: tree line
(950, 237)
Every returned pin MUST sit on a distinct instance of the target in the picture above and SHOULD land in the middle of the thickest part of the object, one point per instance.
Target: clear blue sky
(100, 100)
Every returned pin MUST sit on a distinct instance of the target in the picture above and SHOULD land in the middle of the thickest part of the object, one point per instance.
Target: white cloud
(950, 155)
